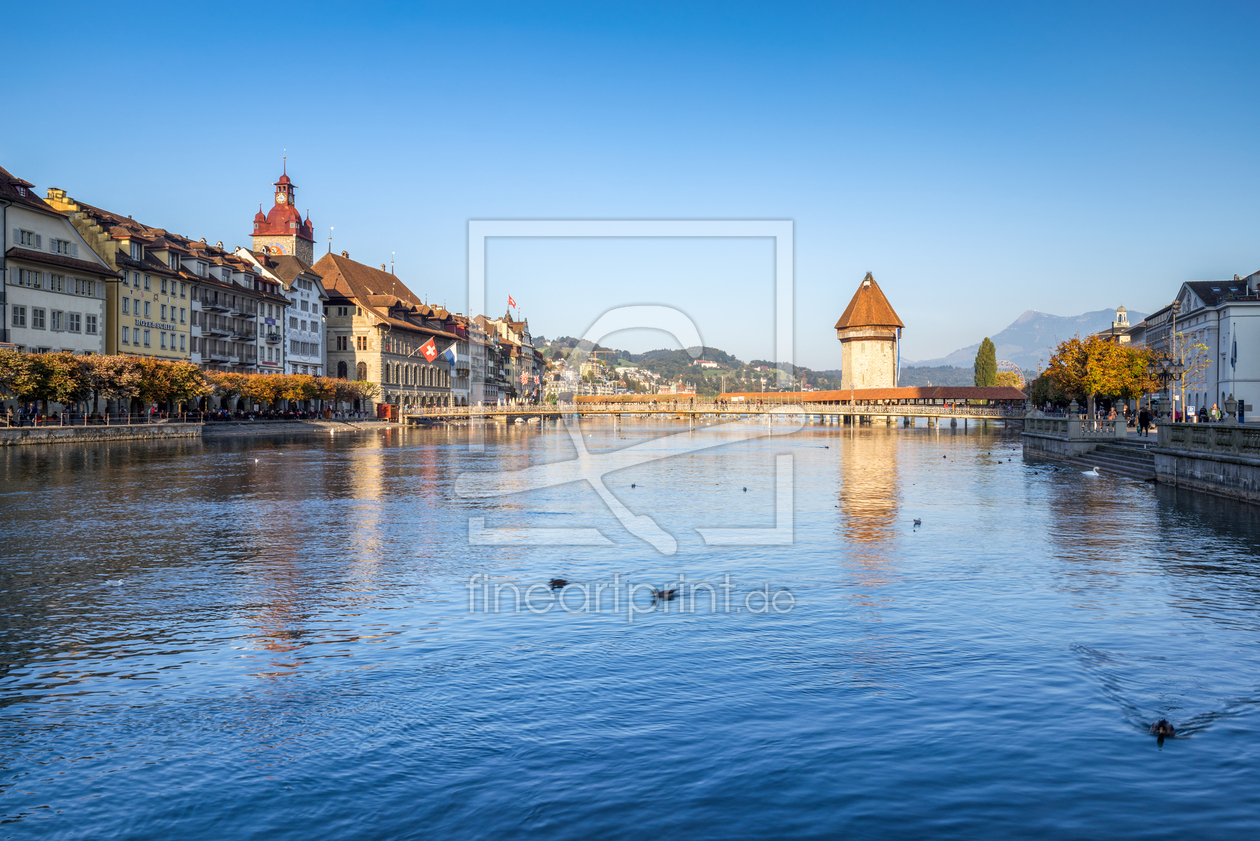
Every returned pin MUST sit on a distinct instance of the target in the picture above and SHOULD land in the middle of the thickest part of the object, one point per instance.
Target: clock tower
(282, 230)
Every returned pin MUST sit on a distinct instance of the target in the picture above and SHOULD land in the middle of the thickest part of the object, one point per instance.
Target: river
(296, 637)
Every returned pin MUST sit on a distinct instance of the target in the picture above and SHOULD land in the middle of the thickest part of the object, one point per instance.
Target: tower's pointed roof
(868, 308)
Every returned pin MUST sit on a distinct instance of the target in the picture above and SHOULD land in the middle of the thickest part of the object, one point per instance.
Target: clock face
(280, 198)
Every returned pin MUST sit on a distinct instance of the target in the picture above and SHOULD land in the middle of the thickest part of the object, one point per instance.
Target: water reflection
(869, 495)
(270, 638)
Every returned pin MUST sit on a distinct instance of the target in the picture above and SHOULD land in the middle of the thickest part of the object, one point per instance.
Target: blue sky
(980, 159)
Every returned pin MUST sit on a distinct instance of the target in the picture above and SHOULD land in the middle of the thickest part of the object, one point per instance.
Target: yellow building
(147, 309)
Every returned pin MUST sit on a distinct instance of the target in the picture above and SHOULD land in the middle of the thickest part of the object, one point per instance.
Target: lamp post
(1178, 363)
(1160, 369)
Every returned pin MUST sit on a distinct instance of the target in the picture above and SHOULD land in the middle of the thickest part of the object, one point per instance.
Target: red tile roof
(868, 308)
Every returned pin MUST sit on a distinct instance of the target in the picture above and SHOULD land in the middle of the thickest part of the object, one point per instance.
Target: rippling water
(272, 638)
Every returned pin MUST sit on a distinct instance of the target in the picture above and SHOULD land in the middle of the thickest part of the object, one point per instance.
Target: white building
(303, 320)
(1218, 332)
(53, 291)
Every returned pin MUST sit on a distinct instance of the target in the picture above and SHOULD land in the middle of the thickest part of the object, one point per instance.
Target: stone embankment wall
(215, 430)
(1067, 437)
(1221, 459)
(18, 436)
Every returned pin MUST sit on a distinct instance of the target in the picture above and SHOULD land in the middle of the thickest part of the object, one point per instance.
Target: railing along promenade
(719, 409)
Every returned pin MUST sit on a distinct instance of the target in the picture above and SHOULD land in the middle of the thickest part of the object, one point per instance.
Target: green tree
(986, 364)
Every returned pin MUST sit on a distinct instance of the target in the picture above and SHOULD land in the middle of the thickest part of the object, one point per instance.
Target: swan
(1093, 474)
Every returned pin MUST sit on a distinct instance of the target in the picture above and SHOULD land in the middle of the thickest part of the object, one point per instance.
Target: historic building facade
(53, 285)
(149, 308)
(378, 331)
(870, 334)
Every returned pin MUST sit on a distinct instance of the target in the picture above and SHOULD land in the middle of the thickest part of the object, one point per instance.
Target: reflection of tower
(870, 333)
(869, 494)
(282, 230)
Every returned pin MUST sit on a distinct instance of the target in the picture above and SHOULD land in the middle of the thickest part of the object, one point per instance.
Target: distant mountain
(1031, 339)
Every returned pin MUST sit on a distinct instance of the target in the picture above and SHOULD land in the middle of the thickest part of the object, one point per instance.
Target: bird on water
(1093, 474)
(558, 583)
(917, 521)
(1163, 729)
(664, 595)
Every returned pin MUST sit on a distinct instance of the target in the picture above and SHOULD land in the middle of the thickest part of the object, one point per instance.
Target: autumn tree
(1008, 379)
(116, 378)
(1089, 368)
(986, 364)
(14, 374)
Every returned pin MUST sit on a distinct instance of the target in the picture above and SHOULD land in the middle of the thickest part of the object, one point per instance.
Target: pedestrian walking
(1144, 423)
(1215, 414)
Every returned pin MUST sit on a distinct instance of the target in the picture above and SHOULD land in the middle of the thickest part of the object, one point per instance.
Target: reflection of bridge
(694, 411)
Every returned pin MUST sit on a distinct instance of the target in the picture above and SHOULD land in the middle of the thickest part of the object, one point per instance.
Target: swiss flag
(511, 303)
(524, 378)
(429, 350)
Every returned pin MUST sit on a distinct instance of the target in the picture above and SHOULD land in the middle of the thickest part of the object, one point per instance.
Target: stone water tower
(869, 334)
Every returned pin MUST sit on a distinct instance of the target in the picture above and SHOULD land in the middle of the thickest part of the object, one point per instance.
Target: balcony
(213, 306)
(241, 335)
(215, 331)
(274, 338)
(215, 356)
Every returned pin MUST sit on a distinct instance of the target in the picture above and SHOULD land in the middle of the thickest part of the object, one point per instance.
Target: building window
(342, 370)
(63, 246)
(146, 338)
(164, 312)
(163, 286)
(306, 306)
(361, 342)
(90, 324)
(27, 277)
(182, 338)
(182, 291)
(342, 343)
(125, 336)
(58, 320)
(126, 279)
(57, 283)
(343, 310)
(30, 238)
(362, 371)
(162, 339)
(183, 315)
(74, 322)
(146, 281)
(37, 318)
(137, 251)
(292, 322)
(126, 306)
(173, 261)
(148, 309)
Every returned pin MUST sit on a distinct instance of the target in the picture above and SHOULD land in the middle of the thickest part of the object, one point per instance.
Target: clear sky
(980, 159)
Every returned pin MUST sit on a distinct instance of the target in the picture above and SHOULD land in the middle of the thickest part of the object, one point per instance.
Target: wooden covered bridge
(873, 405)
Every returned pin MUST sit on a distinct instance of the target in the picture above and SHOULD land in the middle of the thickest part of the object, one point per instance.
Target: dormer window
(201, 269)
(137, 251)
(173, 261)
